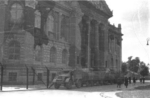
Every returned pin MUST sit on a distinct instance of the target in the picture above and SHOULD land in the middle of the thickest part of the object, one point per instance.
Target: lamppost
(148, 39)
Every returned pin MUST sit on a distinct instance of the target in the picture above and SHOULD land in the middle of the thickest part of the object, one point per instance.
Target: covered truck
(79, 78)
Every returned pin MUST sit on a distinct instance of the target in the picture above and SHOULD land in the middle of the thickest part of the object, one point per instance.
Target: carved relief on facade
(31, 3)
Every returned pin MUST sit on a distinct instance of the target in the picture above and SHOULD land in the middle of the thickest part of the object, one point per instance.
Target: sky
(135, 20)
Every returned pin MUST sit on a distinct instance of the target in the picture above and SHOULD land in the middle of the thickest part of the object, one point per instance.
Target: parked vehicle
(81, 77)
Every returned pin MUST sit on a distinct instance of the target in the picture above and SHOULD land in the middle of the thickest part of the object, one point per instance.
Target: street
(105, 91)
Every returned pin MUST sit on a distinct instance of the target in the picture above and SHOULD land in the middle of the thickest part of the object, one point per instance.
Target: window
(12, 76)
(64, 56)
(53, 55)
(39, 77)
(64, 27)
(50, 23)
(50, 26)
(16, 13)
(38, 53)
(14, 50)
(56, 26)
(37, 19)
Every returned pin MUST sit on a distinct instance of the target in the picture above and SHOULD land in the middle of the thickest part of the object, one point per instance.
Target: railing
(26, 76)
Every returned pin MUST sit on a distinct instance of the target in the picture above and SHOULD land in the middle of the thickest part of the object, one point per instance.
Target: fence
(33, 77)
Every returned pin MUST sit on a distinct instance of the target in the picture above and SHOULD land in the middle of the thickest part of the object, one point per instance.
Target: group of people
(127, 80)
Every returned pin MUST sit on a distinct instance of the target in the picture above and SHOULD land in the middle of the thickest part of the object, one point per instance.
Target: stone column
(89, 50)
(97, 43)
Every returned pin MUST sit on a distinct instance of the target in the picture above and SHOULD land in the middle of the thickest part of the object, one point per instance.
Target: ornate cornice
(95, 7)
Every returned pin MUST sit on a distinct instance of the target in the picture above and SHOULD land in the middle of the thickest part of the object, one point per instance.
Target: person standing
(143, 80)
(140, 79)
(130, 80)
(134, 80)
(126, 82)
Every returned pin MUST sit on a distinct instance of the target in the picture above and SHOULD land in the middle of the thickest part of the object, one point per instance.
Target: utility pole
(1, 65)
(148, 39)
(1, 77)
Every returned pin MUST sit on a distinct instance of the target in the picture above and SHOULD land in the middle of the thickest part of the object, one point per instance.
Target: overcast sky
(135, 20)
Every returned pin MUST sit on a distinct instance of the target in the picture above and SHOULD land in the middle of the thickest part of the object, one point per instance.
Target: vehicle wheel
(87, 84)
(78, 83)
(56, 86)
(68, 85)
(90, 83)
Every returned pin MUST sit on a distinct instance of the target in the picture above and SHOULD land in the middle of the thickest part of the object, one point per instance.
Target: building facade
(56, 35)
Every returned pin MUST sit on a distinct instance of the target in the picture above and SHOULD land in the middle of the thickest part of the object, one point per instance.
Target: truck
(79, 78)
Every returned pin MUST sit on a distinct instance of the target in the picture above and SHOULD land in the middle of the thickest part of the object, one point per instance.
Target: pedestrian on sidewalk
(126, 82)
(119, 82)
(140, 79)
(134, 80)
(130, 80)
(143, 80)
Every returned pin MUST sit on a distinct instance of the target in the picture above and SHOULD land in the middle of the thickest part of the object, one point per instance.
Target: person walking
(126, 82)
(119, 82)
(134, 80)
(130, 80)
(143, 80)
(140, 79)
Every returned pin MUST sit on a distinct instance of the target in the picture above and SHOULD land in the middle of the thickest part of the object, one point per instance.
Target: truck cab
(67, 78)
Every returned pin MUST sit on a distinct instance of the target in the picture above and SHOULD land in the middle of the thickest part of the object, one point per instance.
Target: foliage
(143, 69)
(124, 68)
(133, 64)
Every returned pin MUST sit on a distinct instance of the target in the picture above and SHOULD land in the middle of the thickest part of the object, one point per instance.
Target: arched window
(14, 50)
(53, 55)
(37, 19)
(16, 13)
(64, 56)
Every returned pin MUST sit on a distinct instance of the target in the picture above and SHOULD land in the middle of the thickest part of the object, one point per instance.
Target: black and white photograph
(74, 48)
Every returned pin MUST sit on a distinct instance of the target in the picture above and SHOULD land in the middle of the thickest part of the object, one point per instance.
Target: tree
(124, 68)
(133, 64)
(143, 69)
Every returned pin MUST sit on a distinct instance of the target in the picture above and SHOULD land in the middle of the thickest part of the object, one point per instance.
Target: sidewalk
(103, 88)
(123, 88)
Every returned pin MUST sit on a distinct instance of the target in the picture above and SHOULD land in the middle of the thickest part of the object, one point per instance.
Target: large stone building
(50, 34)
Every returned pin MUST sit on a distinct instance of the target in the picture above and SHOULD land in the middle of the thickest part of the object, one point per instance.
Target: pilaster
(89, 49)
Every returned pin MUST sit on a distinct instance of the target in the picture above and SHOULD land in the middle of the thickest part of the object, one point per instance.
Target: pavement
(105, 91)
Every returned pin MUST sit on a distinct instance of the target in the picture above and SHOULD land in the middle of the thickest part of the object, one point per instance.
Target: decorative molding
(31, 3)
(6, 1)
